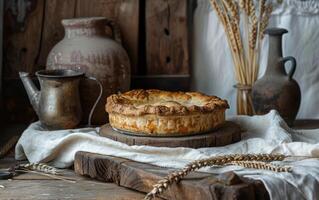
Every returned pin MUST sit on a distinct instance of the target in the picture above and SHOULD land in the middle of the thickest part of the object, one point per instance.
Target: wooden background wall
(156, 35)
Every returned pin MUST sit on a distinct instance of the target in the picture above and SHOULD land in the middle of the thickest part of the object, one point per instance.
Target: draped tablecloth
(262, 134)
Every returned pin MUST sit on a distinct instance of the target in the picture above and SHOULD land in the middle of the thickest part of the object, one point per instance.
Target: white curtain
(213, 70)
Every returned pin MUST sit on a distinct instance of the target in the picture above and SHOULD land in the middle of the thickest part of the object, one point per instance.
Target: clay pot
(87, 48)
(277, 89)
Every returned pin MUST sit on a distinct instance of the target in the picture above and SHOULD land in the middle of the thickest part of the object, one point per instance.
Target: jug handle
(97, 100)
(115, 30)
(293, 65)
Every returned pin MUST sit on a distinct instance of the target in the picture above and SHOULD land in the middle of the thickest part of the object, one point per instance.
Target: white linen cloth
(263, 134)
(213, 69)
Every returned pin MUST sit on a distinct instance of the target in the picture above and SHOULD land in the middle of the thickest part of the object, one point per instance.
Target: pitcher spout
(31, 89)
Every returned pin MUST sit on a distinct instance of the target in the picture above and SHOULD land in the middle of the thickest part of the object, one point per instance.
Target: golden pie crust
(158, 112)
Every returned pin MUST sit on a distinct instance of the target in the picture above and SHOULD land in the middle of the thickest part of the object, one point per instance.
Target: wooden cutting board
(141, 177)
(228, 133)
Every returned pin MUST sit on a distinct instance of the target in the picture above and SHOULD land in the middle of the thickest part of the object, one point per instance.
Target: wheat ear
(176, 176)
(69, 180)
(40, 167)
(261, 165)
(265, 19)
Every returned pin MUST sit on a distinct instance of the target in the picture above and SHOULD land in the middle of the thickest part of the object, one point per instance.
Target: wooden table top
(31, 186)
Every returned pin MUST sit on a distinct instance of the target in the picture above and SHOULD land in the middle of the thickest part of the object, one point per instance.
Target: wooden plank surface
(228, 133)
(167, 37)
(142, 177)
(23, 24)
(30, 186)
(22, 36)
(162, 82)
(1, 59)
(1, 49)
(53, 31)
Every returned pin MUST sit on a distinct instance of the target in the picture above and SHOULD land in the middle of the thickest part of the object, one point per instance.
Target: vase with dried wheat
(244, 22)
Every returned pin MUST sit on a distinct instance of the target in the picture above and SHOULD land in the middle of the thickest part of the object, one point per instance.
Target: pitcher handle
(293, 65)
(97, 100)
(115, 30)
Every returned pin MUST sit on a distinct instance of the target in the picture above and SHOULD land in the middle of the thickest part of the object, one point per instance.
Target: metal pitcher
(58, 103)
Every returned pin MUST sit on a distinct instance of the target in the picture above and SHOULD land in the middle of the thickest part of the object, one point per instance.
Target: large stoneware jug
(277, 89)
(87, 48)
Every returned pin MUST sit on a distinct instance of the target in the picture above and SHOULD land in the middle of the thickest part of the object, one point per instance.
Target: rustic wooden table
(31, 186)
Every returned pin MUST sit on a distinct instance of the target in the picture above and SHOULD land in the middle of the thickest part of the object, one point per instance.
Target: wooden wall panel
(52, 31)
(1, 61)
(22, 40)
(22, 36)
(167, 37)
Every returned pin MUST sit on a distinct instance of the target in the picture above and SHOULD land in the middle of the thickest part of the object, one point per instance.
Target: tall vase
(87, 48)
(244, 100)
(277, 89)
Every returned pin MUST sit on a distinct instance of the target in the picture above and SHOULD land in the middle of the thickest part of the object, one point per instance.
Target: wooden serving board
(141, 177)
(227, 134)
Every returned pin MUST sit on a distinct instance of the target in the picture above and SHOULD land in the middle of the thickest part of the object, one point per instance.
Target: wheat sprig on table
(40, 167)
(176, 176)
(261, 165)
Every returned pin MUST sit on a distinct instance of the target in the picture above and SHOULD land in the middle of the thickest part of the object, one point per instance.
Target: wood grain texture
(33, 186)
(1, 45)
(142, 177)
(22, 36)
(167, 37)
(1, 60)
(162, 82)
(53, 31)
(23, 23)
(227, 134)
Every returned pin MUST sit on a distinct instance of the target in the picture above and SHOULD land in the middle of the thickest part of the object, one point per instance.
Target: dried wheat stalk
(62, 178)
(261, 165)
(176, 176)
(40, 167)
(245, 48)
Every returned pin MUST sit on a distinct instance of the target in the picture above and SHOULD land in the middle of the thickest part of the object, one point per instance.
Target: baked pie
(157, 112)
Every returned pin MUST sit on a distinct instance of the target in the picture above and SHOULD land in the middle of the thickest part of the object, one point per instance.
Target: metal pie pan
(129, 133)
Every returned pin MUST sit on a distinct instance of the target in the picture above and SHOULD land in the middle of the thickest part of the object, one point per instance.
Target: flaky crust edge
(168, 125)
(120, 103)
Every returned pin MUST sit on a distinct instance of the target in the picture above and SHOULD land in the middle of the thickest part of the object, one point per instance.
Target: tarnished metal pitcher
(58, 103)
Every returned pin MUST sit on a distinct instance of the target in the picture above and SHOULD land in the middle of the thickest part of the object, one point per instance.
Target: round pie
(158, 112)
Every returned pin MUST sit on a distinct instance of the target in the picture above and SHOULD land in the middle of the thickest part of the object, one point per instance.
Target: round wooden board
(227, 134)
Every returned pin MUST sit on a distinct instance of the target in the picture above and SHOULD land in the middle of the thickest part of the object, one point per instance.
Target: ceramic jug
(277, 89)
(87, 47)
